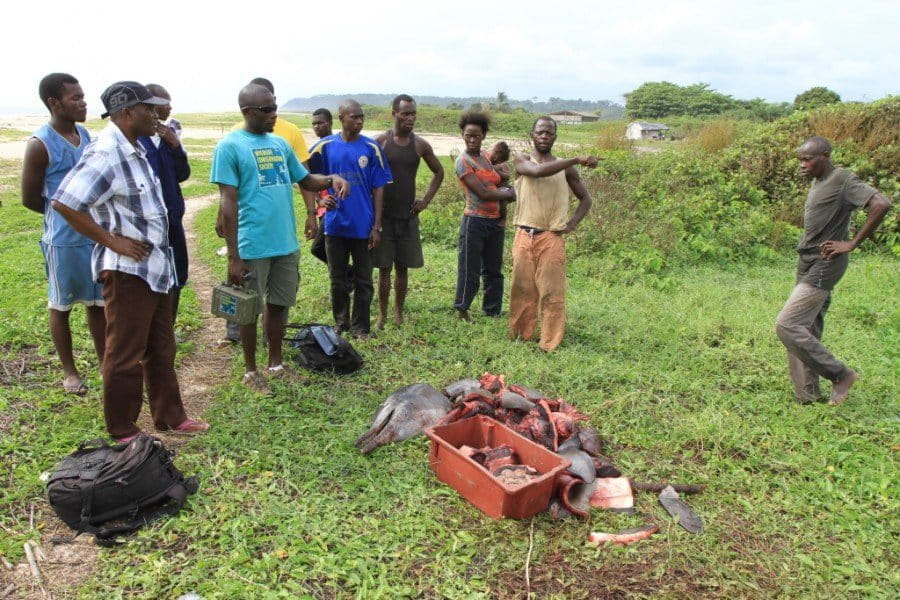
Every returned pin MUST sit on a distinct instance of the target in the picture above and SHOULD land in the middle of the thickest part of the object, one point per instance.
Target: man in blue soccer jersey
(255, 171)
(352, 224)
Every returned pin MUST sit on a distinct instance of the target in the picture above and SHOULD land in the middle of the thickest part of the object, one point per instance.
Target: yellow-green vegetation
(676, 363)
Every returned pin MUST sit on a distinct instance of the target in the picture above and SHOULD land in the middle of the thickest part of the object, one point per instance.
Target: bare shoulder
(36, 152)
(423, 146)
(521, 156)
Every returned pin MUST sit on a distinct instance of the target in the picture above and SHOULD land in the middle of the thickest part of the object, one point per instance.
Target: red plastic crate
(476, 484)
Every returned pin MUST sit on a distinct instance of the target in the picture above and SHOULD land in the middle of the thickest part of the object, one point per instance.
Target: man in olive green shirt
(823, 257)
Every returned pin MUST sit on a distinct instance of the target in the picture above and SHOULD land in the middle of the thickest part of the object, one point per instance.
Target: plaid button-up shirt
(115, 183)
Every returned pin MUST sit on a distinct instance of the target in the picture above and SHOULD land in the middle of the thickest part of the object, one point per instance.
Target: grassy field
(686, 384)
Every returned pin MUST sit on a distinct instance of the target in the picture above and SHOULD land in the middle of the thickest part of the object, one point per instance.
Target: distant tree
(759, 109)
(598, 112)
(455, 106)
(476, 106)
(815, 97)
(653, 100)
(502, 103)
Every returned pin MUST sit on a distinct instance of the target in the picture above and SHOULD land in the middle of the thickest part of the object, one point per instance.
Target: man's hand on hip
(831, 249)
(128, 247)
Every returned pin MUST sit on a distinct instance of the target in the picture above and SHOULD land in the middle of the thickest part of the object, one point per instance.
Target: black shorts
(400, 244)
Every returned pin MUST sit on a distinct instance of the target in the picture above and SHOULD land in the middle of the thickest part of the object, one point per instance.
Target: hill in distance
(609, 110)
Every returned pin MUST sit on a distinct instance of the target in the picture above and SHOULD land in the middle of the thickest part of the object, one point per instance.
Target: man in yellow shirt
(294, 137)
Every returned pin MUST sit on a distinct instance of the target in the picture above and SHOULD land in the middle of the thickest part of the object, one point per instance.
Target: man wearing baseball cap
(112, 197)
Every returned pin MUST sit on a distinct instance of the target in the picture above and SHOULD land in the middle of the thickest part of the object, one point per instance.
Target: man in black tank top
(401, 245)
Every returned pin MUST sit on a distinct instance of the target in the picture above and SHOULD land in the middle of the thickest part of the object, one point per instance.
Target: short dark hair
(52, 86)
(545, 118)
(503, 148)
(822, 145)
(325, 113)
(395, 103)
(263, 82)
(475, 117)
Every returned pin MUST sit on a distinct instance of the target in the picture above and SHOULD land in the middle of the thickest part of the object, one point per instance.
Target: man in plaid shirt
(113, 197)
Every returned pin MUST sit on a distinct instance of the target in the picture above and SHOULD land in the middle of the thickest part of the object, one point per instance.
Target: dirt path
(67, 566)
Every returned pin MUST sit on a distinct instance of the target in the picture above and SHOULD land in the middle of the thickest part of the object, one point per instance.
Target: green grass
(686, 384)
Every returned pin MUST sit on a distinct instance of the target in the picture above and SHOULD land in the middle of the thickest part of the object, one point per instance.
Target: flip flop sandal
(77, 389)
(276, 371)
(255, 382)
(189, 426)
(127, 438)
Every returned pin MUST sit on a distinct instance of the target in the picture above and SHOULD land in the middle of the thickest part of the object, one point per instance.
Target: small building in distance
(573, 117)
(641, 130)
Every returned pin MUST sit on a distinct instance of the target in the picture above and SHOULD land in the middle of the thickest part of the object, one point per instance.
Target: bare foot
(379, 322)
(464, 315)
(398, 317)
(841, 388)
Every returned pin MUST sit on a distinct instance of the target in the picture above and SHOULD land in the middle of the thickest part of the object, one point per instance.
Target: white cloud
(204, 53)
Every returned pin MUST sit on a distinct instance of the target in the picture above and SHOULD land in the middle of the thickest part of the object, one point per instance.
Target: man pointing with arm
(539, 252)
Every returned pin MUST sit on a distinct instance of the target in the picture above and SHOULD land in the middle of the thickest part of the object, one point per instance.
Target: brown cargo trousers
(538, 283)
(140, 349)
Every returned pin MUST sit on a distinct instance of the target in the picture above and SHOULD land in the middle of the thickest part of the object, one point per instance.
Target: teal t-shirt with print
(263, 169)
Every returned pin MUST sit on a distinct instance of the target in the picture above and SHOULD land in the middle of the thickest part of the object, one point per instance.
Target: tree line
(658, 99)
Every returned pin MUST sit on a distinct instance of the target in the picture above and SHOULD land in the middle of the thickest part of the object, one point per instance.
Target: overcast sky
(204, 52)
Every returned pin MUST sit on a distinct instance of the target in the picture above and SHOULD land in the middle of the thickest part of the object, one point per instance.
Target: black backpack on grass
(320, 348)
(134, 482)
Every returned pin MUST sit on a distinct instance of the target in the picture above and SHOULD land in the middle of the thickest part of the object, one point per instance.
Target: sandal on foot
(77, 389)
(127, 438)
(225, 343)
(276, 371)
(190, 426)
(255, 382)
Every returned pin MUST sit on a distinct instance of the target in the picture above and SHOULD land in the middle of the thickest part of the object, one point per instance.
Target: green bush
(688, 205)
(744, 201)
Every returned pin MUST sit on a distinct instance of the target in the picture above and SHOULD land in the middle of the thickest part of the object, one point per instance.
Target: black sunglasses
(263, 109)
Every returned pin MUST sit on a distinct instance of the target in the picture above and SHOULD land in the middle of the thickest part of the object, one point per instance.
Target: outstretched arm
(545, 169)
(437, 177)
(876, 208)
(317, 183)
(584, 199)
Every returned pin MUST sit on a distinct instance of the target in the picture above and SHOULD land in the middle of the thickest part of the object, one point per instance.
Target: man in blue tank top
(50, 154)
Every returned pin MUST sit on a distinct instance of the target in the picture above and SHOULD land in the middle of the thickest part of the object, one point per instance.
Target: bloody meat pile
(592, 480)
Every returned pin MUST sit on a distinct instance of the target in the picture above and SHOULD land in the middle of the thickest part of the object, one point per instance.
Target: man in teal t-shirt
(255, 171)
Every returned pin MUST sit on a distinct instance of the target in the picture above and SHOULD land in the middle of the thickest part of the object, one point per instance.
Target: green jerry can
(236, 304)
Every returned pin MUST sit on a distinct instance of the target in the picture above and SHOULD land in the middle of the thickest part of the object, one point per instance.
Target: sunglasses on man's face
(263, 109)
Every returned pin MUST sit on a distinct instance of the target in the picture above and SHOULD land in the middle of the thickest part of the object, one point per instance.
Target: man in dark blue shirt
(169, 161)
(353, 224)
